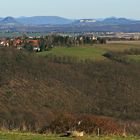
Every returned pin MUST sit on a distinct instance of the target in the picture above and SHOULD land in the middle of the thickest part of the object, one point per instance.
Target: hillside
(9, 21)
(33, 90)
(60, 24)
(44, 20)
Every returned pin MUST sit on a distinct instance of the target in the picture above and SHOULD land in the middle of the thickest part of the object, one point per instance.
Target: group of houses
(43, 43)
(20, 43)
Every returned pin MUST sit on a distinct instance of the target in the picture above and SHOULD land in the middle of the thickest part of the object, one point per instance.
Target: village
(43, 43)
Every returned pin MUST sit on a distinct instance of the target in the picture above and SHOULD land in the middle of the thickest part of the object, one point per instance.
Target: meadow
(135, 58)
(94, 52)
(30, 136)
(11, 34)
(81, 53)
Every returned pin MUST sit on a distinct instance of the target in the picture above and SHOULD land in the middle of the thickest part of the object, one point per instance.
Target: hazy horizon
(69, 18)
(72, 9)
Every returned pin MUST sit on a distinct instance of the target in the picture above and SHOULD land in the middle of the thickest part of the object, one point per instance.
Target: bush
(87, 123)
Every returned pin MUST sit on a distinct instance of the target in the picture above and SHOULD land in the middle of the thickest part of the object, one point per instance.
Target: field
(135, 58)
(94, 53)
(125, 42)
(78, 52)
(17, 34)
(29, 136)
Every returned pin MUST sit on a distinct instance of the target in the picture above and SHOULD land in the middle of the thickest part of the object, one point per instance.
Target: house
(4, 43)
(17, 43)
(35, 44)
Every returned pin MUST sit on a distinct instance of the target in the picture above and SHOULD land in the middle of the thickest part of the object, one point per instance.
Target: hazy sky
(71, 8)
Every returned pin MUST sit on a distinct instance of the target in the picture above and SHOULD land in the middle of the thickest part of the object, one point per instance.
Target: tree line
(45, 43)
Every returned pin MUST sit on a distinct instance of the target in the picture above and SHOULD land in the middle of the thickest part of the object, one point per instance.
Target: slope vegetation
(33, 89)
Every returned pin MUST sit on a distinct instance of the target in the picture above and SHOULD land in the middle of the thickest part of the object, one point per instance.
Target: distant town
(44, 41)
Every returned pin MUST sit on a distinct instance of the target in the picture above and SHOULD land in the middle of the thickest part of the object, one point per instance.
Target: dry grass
(30, 136)
(136, 42)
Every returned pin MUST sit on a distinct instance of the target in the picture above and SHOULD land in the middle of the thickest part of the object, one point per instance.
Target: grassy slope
(134, 58)
(94, 52)
(29, 136)
(81, 53)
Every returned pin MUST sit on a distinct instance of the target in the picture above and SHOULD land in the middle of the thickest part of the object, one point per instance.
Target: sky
(74, 9)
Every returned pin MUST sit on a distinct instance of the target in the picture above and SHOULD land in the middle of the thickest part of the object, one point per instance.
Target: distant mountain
(119, 21)
(1, 19)
(44, 20)
(9, 21)
(108, 21)
(59, 24)
(55, 20)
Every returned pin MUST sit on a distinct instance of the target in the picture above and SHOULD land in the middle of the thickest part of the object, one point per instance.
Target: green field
(134, 58)
(18, 34)
(94, 52)
(29, 136)
(82, 53)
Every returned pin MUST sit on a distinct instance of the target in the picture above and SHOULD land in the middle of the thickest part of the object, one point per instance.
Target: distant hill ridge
(9, 21)
(43, 20)
(114, 20)
(36, 20)
(60, 24)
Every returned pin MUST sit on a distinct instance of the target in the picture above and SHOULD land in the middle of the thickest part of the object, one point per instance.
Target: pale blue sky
(71, 8)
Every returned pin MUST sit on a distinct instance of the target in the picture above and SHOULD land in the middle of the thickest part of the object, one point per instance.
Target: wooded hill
(34, 90)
